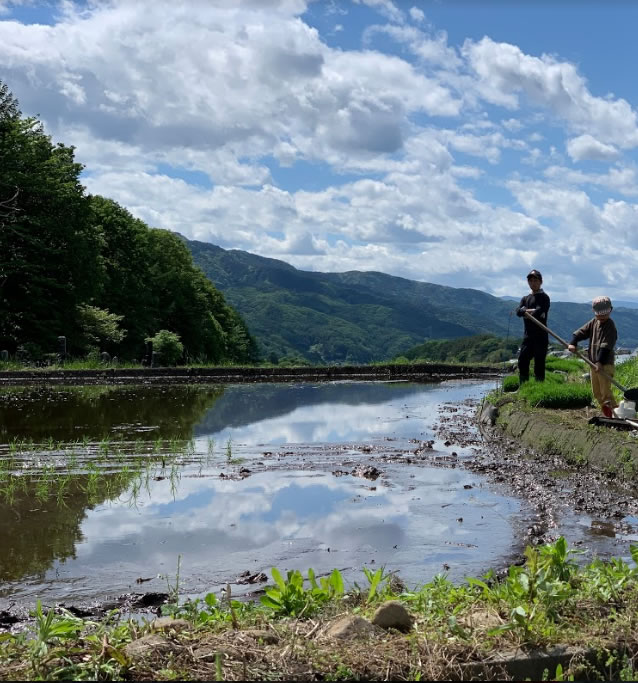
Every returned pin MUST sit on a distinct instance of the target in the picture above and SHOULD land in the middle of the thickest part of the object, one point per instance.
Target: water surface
(121, 481)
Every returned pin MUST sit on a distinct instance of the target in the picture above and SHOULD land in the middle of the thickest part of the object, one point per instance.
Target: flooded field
(102, 489)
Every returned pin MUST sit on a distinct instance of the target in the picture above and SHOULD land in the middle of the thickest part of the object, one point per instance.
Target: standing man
(535, 339)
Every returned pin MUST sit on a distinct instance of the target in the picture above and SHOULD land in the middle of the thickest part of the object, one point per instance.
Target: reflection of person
(535, 339)
(602, 335)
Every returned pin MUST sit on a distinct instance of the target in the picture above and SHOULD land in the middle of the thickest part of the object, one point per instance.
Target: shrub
(168, 345)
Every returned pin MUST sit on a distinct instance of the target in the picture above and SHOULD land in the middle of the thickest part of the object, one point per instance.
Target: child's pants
(601, 386)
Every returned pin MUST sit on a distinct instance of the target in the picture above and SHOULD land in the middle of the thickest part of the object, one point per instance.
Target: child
(602, 335)
(535, 340)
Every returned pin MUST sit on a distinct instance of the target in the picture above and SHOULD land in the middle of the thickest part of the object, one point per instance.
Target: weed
(289, 597)
(375, 579)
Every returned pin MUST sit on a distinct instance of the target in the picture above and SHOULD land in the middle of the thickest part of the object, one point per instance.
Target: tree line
(81, 266)
(480, 348)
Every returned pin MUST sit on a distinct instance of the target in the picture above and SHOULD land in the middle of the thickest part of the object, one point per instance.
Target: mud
(564, 496)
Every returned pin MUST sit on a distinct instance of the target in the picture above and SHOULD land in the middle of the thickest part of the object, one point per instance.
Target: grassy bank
(13, 366)
(552, 417)
(563, 387)
(316, 629)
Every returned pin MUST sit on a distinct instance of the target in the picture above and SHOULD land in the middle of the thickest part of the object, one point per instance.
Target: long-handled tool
(629, 394)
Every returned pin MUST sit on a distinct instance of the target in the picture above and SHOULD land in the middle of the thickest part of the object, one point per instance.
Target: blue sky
(461, 143)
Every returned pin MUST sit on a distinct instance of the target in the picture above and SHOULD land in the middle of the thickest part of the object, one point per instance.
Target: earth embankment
(568, 433)
(423, 372)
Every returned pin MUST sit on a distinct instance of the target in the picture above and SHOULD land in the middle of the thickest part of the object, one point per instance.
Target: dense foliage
(367, 316)
(83, 267)
(481, 348)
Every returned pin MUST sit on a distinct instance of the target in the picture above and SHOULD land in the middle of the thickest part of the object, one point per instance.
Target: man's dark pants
(536, 349)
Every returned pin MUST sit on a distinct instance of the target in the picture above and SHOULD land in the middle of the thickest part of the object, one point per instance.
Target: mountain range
(364, 316)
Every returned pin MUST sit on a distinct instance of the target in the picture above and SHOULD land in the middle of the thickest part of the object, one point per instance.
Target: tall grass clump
(511, 382)
(627, 373)
(552, 394)
(568, 365)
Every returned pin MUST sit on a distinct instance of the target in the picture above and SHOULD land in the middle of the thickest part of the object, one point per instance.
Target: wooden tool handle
(529, 316)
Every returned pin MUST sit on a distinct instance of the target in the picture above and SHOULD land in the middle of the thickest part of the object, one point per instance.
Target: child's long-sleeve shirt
(602, 339)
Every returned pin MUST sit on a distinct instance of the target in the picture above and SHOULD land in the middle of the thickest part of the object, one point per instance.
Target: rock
(166, 623)
(246, 577)
(481, 620)
(367, 471)
(349, 627)
(488, 414)
(151, 599)
(393, 614)
(147, 645)
(6, 618)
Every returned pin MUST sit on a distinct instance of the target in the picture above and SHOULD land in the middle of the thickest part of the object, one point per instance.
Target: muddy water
(103, 486)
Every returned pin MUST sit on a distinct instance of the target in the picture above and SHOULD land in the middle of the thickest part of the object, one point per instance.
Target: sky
(459, 142)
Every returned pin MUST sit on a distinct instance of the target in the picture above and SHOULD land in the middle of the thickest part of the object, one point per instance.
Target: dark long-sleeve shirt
(539, 303)
(602, 339)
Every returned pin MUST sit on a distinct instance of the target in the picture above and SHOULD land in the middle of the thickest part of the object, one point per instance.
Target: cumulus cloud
(504, 71)
(623, 180)
(408, 159)
(587, 147)
(431, 49)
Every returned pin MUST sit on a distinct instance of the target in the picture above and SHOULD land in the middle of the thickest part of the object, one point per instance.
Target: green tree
(168, 345)
(99, 327)
(47, 250)
(84, 267)
(123, 272)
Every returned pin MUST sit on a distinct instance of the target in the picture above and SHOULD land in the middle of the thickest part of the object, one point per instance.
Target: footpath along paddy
(104, 488)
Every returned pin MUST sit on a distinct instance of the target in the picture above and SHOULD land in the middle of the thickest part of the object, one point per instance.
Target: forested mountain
(363, 316)
(83, 267)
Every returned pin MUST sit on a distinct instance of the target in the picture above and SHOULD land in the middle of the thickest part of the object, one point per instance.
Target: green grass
(569, 365)
(511, 382)
(627, 375)
(551, 394)
(558, 390)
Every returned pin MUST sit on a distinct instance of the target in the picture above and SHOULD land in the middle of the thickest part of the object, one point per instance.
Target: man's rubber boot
(607, 411)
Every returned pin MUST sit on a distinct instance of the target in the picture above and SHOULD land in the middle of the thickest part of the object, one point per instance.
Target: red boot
(607, 411)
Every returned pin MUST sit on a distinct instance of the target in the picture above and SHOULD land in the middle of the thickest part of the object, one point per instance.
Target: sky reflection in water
(412, 519)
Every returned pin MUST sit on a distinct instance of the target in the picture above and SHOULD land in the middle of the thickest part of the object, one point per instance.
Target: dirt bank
(423, 372)
(568, 434)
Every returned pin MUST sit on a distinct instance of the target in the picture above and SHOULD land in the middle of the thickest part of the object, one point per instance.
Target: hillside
(365, 316)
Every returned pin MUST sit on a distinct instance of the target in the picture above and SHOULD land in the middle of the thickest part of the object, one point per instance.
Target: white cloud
(513, 125)
(247, 99)
(504, 70)
(621, 179)
(417, 15)
(587, 147)
(433, 50)
(385, 7)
